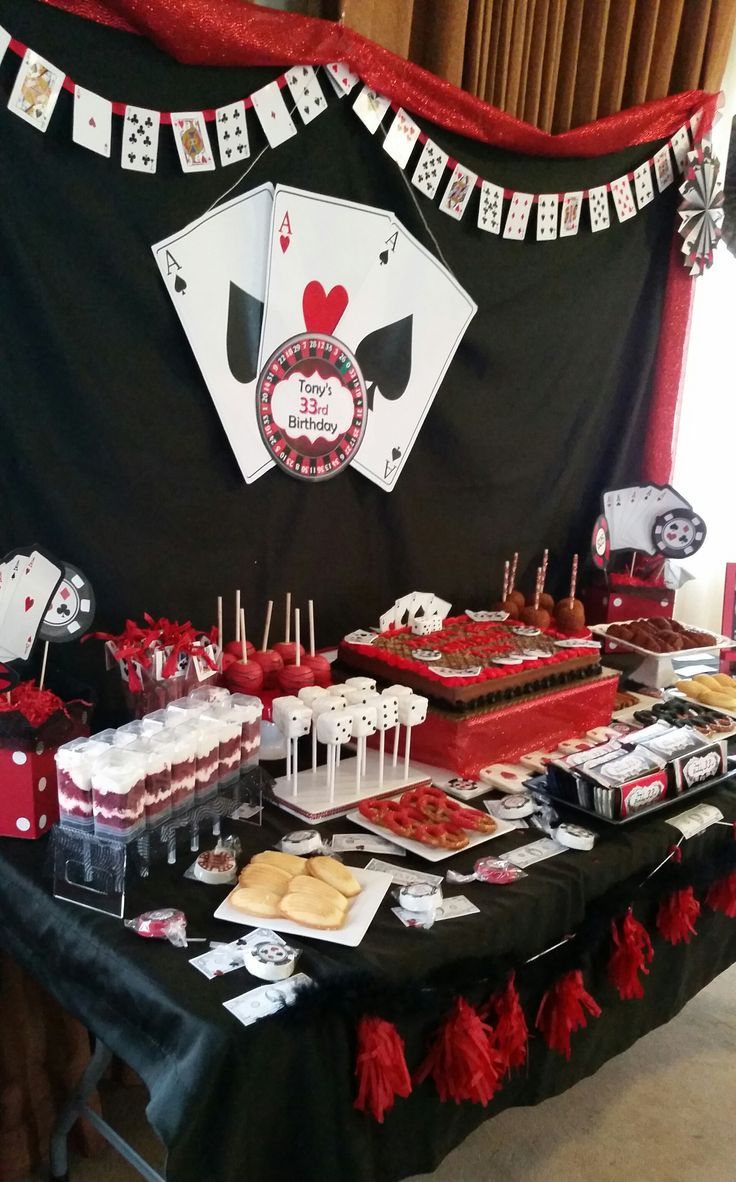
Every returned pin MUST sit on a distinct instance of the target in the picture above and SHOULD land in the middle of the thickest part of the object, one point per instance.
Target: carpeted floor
(662, 1112)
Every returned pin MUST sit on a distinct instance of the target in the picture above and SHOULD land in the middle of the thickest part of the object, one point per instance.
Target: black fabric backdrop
(113, 455)
(273, 1101)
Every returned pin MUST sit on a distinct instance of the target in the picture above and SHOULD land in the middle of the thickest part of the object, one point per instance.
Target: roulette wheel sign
(679, 533)
(311, 406)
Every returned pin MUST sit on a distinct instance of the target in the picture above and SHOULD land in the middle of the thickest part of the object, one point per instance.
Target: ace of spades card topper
(354, 275)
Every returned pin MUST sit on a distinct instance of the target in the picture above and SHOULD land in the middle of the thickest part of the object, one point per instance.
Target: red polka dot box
(28, 800)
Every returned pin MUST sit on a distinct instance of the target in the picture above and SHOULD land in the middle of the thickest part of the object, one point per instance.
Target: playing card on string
(232, 133)
(343, 79)
(403, 329)
(547, 217)
(623, 199)
(273, 115)
(36, 89)
(370, 107)
(92, 124)
(320, 250)
(4, 42)
(643, 184)
(141, 127)
(458, 192)
(215, 273)
(598, 205)
(192, 141)
(401, 138)
(430, 169)
(681, 147)
(490, 210)
(306, 92)
(663, 168)
(572, 203)
(518, 216)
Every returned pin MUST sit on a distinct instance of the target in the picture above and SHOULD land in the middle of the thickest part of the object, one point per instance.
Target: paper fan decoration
(701, 211)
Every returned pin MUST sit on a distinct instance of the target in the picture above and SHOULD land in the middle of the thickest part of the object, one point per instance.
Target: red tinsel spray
(722, 895)
(511, 1036)
(462, 1059)
(562, 1011)
(632, 952)
(380, 1066)
(676, 916)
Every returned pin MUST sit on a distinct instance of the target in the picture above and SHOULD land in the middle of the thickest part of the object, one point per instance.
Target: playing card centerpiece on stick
(648, 520)
(315, 358)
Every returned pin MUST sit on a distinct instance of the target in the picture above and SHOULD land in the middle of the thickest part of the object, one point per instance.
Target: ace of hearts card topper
(27, 584)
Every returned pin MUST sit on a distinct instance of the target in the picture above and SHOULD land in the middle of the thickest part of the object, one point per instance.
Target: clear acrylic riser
(93, 871)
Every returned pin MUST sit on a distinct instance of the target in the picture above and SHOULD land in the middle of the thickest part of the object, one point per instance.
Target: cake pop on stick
(570, 613)
(536, 616)
(412, 712)
(243, 676)
(219, 632)
(233, 647)
(269, 660)
(513, 594)
(546, 601)
(365, 723)
(387, 716)
(285, 648)
(294, 677)
(319, 665)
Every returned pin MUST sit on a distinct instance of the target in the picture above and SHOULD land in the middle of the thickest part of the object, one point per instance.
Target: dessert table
(275, 1099)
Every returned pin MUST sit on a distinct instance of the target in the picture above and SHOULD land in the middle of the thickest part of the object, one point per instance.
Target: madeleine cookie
(693, 689)
(289, 862)
(726, 682)
(312, 910)
(265, 875)
(335, 875)
(709, 682)
(316, 887)
(256, 900)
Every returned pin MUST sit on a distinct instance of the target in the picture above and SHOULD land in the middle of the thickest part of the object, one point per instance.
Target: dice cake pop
(287, 649)
(270, 661)
(570, 613)
(244, 676)
(294, 677)
(320, 666)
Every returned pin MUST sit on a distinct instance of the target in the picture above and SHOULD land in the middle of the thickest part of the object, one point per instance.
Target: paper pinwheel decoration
(701, 211)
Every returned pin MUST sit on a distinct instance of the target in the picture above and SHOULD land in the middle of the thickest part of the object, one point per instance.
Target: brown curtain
(555, 63)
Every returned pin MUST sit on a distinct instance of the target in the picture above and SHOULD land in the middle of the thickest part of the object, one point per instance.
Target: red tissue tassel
(380, 1066)
(462, 1059)
(632, 952)
(562, 1011)
(676, 916)
(511, 1035)
(722, 895)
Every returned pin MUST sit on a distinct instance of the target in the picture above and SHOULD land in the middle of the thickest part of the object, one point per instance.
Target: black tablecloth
(274, 1100)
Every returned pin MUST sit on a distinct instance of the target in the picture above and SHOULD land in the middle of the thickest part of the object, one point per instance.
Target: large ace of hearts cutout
(322, 310)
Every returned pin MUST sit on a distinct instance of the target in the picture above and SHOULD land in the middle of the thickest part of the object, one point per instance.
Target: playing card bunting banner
(314, 357)
(558, 215)
(39, 83)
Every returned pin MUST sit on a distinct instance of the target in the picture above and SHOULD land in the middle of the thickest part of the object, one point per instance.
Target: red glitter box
(28, 801)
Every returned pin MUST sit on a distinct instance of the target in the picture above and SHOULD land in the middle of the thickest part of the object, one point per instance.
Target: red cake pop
(536, 616)
(320, 666)
(294, 677)
(266, 657)
(243, 676)
(286, 650)
(570, 613)
(234, 647)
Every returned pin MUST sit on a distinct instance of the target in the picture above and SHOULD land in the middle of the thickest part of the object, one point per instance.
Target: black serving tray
(539, 784)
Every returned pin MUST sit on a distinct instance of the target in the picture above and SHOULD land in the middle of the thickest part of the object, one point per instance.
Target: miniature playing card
(598, 205)
(547, 217)
(401, 138)
(192, 141)
(232, 133)
(92, 121)
(430, 169)
(490, 210)
(306, 92)
(269, 106)
(343, 79)
(370, 107)
(4, 42)
(623, 198)
(518, 216)
(572, 203)
(459, 189)
(643, 184)
(680, 147)
(37, 87)
(663, 168)
(141, 128)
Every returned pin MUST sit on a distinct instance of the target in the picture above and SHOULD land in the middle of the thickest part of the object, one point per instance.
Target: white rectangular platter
(425, 851)
(720, 642)
(361, 911)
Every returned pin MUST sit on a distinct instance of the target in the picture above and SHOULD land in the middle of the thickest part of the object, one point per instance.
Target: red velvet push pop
(244, 676)
(294, 677)
(268, 658)
(320, 666)
(285, 649)
(570, 613)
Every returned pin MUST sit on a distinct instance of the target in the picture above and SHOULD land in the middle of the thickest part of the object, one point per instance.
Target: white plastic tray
(426, 851)
(721, 642)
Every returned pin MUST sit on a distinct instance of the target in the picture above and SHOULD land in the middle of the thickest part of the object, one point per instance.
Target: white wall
(705, 462)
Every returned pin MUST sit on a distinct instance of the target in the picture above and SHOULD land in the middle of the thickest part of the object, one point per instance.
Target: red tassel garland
(676, 916)
(632, 952)
(380, 1066)
(562, 1011)
(722, 895)
(462, 1059)
(511, 1035)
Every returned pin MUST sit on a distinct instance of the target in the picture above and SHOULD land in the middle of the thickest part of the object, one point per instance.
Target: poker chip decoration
(701, 210)
(311, 406)
(679, 533)
(600, 545)
(72, 608)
